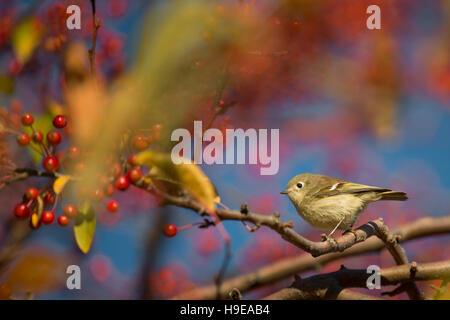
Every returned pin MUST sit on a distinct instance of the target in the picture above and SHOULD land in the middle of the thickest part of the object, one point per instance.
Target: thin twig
(223, 268)
(96, 25)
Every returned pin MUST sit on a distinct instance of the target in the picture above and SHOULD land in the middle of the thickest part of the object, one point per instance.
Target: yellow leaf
(25, 39)
(55, 108)
(37, 213)
(188, 175)
(84, 227)
(34, 220)
(60, 183)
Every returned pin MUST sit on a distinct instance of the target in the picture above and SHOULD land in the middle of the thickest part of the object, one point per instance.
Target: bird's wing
(346, 188)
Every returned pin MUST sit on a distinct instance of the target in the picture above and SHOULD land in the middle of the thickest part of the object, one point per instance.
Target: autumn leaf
(37, 271)
(25, 39)
(60, 183)
(187, 174)
(84, 227)
(37, 212)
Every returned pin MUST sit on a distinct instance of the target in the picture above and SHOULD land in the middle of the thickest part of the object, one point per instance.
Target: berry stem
(30, 202)
(36, 149)
(55, 203)
(187, 226)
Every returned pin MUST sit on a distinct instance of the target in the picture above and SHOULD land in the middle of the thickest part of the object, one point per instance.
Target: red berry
(60, 121)
(70, 211)
(80, 167)
(73, 152)
(48, 217)
(14, 67)
(115, 169)
(122, 182)
(27, 119)
(50, 163)
(134, 175)
(112, 206)
(103, 181)
(63, 221)
(22, 211)
(222, 103)
(31, 194)
(23, 139)
(132, 160)
(109, 190)
(139, 142)
(60, 156)
(54, 138)
(170, 230)
(68, 130)
(97, 195)
(48, 199)
(37, 137)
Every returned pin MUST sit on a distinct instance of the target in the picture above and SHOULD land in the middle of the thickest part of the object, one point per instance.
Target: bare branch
(96, 24)
(288, 267)
(399, 255)
(331, 285)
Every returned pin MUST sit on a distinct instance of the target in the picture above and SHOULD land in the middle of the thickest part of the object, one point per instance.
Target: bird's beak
(283, 192)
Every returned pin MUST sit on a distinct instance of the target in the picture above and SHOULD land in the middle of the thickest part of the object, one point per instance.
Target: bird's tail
(394, 195)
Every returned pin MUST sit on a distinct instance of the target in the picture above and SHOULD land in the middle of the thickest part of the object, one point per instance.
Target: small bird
(332, 203)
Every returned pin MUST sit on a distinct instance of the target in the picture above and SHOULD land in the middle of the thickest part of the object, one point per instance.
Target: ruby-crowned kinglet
(331, 203)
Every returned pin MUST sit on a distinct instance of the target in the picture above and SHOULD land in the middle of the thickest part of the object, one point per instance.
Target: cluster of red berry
(51, 164)
(116, 178)
(141, 142)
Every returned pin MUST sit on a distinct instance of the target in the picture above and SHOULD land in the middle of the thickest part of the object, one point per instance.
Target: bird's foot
(351, 231)
(328, 238)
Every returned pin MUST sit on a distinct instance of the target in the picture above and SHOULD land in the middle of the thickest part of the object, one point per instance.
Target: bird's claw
(331, 240)
(351, 231)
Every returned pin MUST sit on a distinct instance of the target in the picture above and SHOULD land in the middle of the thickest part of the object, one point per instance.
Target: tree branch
(96, 25)
(290, 266)
(331, 285)
(284, 229)
(399, 255)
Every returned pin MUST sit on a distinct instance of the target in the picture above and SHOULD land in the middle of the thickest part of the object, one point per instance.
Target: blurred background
(371, 106)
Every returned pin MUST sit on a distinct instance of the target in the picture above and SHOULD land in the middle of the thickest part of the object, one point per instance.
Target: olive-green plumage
(327, 203)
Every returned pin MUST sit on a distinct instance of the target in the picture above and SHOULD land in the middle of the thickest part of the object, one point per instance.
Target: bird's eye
(299, 185)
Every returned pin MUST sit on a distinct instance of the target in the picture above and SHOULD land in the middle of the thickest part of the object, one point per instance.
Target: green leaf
(84, 227)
